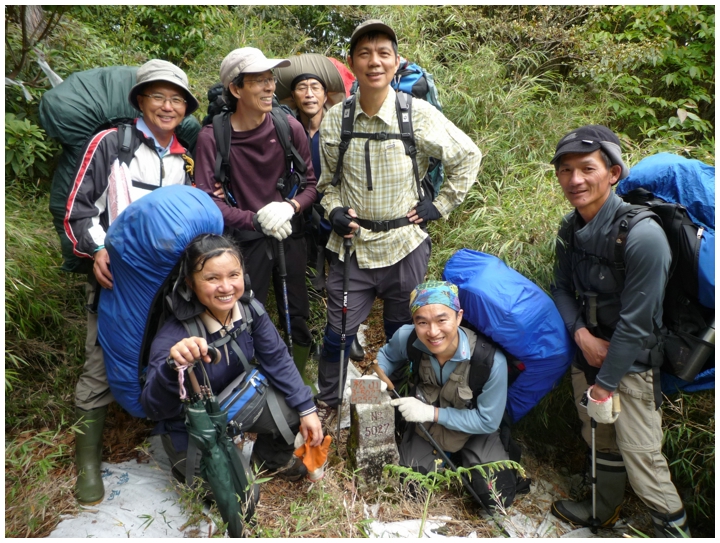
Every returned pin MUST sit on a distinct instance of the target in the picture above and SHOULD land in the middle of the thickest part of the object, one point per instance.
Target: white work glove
(413, 410)
(282, 231)
(383, 385)
(274, 215)
(601, 411)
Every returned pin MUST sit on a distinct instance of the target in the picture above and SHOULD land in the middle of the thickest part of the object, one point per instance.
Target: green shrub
(26, 152)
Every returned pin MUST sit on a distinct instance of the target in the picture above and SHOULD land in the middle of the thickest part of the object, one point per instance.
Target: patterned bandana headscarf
(434, 292)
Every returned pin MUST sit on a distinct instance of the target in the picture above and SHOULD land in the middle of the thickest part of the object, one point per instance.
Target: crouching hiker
(206, 299)
(465, 424)
(117, 167)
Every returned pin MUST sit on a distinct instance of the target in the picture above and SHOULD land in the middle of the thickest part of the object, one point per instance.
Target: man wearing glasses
(258, 210)
(103, 187)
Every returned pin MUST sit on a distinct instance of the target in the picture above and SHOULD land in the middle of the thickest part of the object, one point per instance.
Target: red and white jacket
(103, 188)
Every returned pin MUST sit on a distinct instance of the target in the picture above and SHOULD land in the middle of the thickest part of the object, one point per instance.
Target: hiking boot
(610, 490)
(293, 471)
(356, 353)
(89, 489)
(326, 413)
(670, 525)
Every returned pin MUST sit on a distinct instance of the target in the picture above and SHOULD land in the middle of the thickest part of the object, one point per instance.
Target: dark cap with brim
(590, 138)
(371, 25)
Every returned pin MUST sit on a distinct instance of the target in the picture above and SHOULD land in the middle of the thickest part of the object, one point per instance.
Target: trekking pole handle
(193, 380)
(384, 378)
(616, 403)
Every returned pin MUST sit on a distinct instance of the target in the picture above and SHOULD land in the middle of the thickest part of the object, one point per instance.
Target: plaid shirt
(394, 191)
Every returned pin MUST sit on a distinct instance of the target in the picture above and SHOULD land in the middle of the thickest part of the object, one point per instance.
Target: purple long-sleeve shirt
(160, 396)
(257, 161)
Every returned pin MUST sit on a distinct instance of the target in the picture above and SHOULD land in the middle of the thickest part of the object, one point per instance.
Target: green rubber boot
(301, 353)
(89, 489)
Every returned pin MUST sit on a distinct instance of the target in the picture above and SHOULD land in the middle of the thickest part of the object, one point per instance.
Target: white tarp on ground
(140, 501)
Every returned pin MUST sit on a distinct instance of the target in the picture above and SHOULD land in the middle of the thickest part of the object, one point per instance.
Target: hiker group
(338, 182)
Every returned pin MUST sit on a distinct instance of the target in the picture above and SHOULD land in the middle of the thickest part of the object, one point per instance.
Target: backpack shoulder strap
(413, 353)
(625, 218)
(282, 127)
(222, 132)
(125, 141)
(481, 362)
(403, 106)
(346, 133)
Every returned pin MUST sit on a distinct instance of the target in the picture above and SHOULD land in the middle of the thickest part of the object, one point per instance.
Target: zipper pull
(162, 170)
(700, 232)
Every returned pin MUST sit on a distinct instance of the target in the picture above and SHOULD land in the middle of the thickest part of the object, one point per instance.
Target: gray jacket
(628, 312)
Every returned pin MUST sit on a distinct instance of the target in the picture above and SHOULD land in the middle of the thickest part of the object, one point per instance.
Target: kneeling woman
(210, 285)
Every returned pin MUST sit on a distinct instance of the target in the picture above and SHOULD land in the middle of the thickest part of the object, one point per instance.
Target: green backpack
(74, 111)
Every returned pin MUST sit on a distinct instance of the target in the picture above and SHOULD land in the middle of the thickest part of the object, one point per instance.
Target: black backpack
(684, 318)
(295, 178)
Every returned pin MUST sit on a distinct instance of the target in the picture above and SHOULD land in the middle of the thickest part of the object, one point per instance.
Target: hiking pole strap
(278, 417)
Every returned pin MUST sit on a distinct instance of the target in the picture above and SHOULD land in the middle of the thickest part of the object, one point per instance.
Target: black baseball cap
(589, 138)
(305, 77)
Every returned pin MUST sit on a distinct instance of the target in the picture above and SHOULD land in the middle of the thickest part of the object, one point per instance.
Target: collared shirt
(143, 127)
(394, 191)
(484, 419)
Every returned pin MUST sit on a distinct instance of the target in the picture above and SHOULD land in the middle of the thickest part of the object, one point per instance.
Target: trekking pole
(347, 243)
(283, 280)
(595, 522)
(381, 374)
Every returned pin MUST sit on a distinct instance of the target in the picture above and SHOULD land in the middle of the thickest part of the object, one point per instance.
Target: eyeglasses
(160, 99)
(262, 82)
(315, 88)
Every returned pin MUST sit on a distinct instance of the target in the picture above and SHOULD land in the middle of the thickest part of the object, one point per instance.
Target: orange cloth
(314, 458)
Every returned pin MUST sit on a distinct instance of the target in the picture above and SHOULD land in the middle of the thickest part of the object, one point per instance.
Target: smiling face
(219, 284)
(255, 96)
(162, 119)
(437, 328)
(374, 63)
(310, 97)
(586, 181)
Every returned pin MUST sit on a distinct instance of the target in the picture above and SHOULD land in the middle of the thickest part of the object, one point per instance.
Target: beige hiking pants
(92, 389)
(637, 436)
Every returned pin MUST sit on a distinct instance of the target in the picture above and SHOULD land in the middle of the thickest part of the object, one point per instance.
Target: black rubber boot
(670, 525)
(89, 489)
(610, 490)
(357, 353)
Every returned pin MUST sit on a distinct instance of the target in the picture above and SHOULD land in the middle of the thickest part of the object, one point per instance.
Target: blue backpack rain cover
(690, 183)
(144, 245)
(515, 313)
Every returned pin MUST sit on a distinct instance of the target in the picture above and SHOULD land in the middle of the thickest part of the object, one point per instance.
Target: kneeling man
(465, 422)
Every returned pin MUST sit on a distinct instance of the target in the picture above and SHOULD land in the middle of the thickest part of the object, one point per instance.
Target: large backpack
(145, 243)
(416, 82)
(73, 112)
(517, 315)
(218, 114)
(680, 194)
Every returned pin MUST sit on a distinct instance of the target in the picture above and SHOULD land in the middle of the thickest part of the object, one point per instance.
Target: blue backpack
(516, 314)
